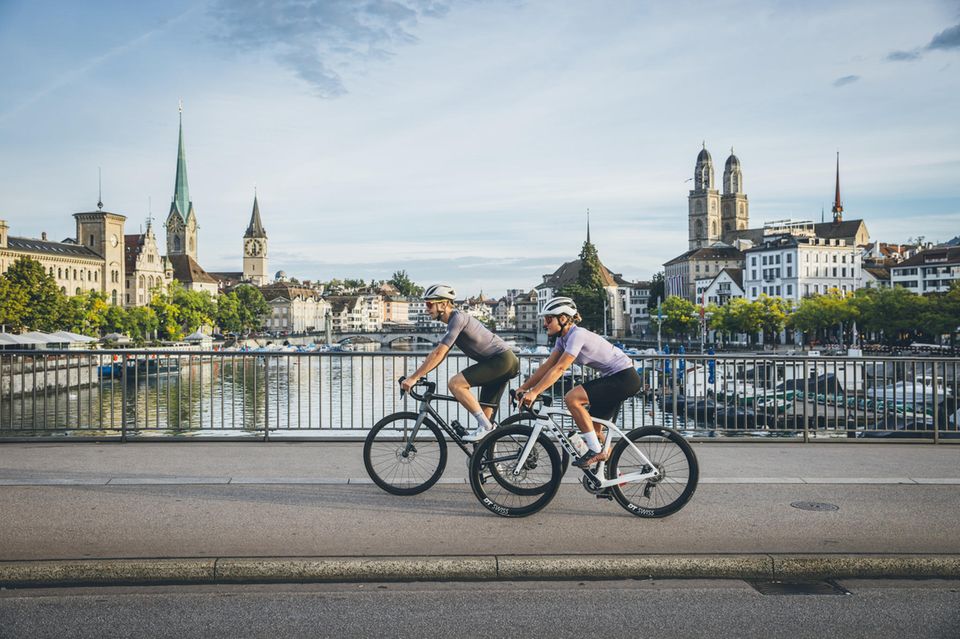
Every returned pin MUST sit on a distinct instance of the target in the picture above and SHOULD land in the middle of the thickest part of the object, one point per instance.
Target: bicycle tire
(531, 490)
(394, 468)
(672, 454)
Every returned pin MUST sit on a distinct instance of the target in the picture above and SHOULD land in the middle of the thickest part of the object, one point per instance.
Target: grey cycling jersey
(472, 337)
(589, 349)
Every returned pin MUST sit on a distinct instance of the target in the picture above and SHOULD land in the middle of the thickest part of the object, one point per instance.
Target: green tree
(115, 320)
(197, 308)
(773, 313)
(657, 288)
(680, 316)
(939, 315)
(588, 291)
(745, 317)
(407, 287)
(13, 304)
(42, 300)
(252, 309)
(228, 313)
(85, 313)
(142, 322)
(167, 316)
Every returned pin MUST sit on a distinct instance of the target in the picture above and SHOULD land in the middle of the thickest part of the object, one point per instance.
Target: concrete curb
(102, 572)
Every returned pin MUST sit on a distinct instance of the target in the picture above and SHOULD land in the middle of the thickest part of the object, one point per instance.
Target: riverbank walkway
(234, 512)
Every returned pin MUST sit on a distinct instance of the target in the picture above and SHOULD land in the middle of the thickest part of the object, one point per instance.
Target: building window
(753, 260)
(789, 290)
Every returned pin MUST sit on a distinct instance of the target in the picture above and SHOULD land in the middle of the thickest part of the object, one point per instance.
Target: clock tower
(255, 249)
(102, 233)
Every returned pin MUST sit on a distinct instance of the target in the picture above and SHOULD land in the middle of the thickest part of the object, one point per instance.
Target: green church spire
(181, 191)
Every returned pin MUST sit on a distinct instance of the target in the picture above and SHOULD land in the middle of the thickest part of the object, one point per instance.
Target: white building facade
(793, 267)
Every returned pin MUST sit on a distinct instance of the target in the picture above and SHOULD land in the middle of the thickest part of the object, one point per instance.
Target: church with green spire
(182, 230)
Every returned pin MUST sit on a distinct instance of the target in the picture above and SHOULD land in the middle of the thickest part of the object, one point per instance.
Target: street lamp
(659, 323)
(704, 318)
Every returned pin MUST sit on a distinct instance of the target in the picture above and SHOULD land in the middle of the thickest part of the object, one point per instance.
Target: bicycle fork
(411, 447)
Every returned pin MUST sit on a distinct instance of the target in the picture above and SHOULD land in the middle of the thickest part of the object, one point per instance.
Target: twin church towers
(714, 217)
(182, 227)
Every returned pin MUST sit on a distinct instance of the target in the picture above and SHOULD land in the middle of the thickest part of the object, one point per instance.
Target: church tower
(837, 206)
(181, 222)
(734, 206)
(255, 248)
(704, 204)
(102, 232)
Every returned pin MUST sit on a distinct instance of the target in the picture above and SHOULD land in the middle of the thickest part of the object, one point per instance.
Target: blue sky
(464, 140)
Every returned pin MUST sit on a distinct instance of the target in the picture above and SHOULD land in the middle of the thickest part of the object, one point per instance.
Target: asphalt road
(672, 608)
(74, 501)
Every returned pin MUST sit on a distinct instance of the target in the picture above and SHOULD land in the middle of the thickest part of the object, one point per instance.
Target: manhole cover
(814, 505)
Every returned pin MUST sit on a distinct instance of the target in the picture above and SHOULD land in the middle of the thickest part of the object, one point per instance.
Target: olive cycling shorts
(492, 375)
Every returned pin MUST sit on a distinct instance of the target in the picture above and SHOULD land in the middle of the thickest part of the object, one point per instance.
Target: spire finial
(704, 145)
(588, 226)
(99, 189)
(731, 150)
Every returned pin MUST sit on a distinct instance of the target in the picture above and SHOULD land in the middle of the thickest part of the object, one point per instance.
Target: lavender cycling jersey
(472, 337)
(589, 349)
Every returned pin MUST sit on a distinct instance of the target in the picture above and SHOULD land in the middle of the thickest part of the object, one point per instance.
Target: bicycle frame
(545, 419)
(426, 408)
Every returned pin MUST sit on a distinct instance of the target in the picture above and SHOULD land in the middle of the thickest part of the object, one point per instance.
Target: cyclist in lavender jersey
(600, 397)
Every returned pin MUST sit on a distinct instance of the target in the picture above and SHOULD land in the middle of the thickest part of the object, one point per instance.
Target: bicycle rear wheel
(668, 451)
(517, 491)
(399, 465)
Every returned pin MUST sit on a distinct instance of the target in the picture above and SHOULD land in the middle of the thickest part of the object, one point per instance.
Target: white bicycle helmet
(439, 292)
(559, 306)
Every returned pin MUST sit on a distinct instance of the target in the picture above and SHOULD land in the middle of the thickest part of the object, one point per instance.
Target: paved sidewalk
(186, 512)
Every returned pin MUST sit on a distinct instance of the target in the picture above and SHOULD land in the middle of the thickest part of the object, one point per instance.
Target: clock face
(113, 240)
(255, 248)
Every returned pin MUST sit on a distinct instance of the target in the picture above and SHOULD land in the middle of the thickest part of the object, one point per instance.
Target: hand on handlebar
(406, 383)
(525, 398)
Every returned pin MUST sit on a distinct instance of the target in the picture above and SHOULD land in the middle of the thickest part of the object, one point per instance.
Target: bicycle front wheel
(529, 420)
(399, 463)
(502, 485)
(671, 454)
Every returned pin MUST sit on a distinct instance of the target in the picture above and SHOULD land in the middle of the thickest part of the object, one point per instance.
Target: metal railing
(263, 395)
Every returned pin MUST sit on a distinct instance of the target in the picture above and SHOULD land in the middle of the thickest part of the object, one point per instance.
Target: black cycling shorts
(606, 394)
(492, 375)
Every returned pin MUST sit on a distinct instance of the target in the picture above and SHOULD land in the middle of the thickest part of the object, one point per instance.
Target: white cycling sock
(482, 420)
(593, 443)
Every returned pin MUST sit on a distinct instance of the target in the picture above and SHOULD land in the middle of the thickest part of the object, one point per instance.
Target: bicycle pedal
(605, 494)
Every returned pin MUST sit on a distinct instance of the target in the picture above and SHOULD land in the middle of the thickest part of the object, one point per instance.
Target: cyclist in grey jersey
(600, 397)
(496, 363)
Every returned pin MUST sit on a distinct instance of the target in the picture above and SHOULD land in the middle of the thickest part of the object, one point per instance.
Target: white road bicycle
(652, 471)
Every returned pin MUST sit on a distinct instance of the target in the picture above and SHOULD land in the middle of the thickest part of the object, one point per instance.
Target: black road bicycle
(405, 453)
